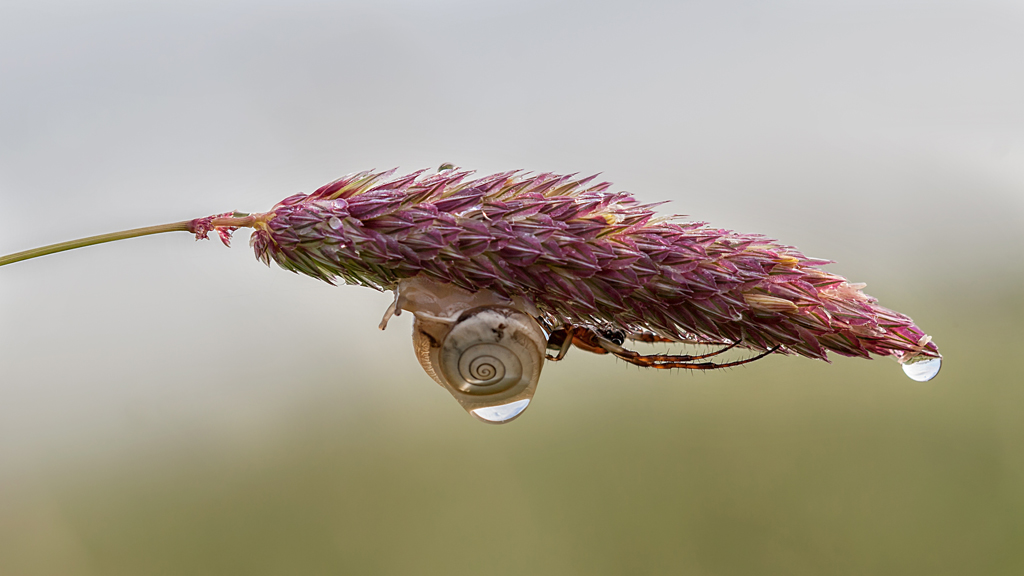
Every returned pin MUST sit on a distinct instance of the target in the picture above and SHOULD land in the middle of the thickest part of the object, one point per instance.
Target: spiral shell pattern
(482, 368)
(486, 353)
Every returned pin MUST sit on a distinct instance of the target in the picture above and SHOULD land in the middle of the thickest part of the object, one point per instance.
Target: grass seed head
(580, 253)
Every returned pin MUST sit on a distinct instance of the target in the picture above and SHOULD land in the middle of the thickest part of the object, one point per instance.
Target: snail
(485, 350)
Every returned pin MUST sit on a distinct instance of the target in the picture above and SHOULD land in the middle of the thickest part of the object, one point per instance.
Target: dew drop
(923, 370)
(334, 222)
(502, 414)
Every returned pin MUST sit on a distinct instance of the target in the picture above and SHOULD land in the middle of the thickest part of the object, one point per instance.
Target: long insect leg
(616, 349)
(651, 337)
(673, 357)
(591, 340)
(666, 361)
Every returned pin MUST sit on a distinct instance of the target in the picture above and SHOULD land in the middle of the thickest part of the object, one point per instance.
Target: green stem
(82, 242)
(185, 226)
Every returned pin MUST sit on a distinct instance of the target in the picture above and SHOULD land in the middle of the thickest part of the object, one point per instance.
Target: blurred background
(174, 407)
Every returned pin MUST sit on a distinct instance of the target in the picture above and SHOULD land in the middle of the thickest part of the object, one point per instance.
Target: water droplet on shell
(923, 370)
(503, 413)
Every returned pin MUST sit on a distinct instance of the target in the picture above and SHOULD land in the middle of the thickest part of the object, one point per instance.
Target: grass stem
(185, 226)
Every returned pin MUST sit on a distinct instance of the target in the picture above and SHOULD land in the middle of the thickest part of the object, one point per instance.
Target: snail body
(486, 350)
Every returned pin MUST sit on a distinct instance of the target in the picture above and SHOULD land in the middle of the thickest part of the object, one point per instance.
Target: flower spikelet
(581, 254)
(202, 227)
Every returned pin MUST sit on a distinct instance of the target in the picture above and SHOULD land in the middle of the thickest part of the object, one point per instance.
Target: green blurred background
(172, 407)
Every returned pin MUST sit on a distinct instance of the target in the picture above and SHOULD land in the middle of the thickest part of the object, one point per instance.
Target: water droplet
(334, 222)
(445, 167)
(502, 414)
(923, 370)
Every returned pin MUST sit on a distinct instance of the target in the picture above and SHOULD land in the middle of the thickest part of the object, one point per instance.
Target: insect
(506, 272)
(609, 340)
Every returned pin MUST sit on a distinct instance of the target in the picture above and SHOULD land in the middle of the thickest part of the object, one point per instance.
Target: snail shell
(485, 350)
